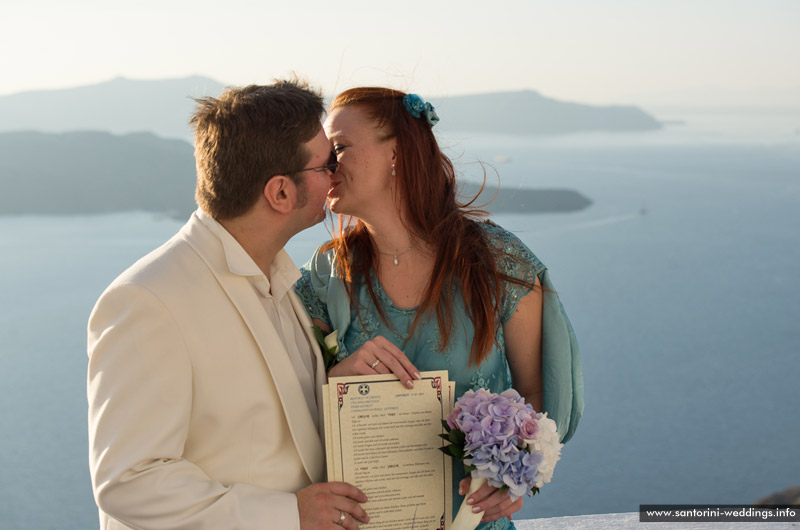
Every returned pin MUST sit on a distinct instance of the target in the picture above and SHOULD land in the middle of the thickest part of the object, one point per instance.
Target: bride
(414, 281)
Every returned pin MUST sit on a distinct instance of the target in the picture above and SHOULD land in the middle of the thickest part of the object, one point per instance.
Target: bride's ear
(281, 193)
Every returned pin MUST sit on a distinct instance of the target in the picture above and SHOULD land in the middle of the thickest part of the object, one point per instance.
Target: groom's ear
(281, 193)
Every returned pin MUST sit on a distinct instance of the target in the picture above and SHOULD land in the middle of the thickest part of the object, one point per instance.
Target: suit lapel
(304, 432)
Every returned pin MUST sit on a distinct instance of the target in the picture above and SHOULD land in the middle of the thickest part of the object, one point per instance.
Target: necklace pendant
(395, 260)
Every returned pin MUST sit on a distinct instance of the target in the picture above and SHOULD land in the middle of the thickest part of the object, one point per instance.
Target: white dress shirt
(273, 293)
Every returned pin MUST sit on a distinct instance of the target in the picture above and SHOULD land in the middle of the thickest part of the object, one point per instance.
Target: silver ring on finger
(375, 363)
(342, 517)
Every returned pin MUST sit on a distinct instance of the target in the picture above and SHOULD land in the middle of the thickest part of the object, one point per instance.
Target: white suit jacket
(196, 416)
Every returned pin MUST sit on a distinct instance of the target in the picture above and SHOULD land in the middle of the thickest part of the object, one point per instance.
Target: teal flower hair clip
(418, 108)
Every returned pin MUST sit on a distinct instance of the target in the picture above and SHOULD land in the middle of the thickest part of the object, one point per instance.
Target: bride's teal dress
(325, 298)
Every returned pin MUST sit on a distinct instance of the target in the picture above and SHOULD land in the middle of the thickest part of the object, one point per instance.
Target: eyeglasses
(331, 166)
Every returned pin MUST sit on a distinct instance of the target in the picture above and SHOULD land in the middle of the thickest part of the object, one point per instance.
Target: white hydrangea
(547, 443)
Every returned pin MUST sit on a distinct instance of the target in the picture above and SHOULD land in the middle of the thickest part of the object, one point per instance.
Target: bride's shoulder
(508, 249)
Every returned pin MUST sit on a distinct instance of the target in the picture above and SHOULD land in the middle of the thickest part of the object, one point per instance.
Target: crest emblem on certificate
(363, 389)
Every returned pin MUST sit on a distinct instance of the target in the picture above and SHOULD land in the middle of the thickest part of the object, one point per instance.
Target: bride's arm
(523, 339)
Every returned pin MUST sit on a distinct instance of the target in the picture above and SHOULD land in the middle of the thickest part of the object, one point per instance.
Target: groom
(203, 372)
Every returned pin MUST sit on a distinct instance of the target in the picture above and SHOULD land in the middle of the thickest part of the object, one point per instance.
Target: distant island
(529, 113)
(119, 106)
(95, 172)
(524, 200)
(163, 107)
(92, 172)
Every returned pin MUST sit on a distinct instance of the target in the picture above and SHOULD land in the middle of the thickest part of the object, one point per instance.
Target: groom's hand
(494, 504)
(321, 506)
(377, 356)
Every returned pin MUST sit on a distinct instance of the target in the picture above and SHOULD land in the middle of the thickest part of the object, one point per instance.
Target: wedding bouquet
(502, 441)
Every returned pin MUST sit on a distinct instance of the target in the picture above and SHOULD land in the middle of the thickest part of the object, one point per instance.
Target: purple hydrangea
(499, 431)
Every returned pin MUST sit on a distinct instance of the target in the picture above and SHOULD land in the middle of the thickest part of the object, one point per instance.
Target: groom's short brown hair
(246, 136)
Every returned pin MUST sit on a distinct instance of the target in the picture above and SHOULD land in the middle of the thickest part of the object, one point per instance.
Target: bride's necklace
(395, 255)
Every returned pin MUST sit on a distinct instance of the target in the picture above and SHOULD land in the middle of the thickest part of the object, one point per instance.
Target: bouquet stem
(465, 519)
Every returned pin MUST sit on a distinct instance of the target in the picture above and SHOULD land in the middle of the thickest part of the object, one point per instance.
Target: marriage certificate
(383, 438)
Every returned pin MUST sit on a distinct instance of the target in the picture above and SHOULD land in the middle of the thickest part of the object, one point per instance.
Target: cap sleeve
(513, 259)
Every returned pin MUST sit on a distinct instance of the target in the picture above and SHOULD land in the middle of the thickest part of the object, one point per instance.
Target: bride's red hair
(426, 187)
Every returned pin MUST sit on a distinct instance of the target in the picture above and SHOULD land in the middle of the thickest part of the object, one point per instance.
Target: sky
(667, 52)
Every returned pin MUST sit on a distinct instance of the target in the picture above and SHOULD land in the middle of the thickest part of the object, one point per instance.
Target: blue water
(680, 279)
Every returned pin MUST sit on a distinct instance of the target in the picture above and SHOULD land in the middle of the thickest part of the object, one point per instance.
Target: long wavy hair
(426, 189)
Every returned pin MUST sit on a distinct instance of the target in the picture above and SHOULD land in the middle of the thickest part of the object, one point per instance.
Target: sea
(681, 281)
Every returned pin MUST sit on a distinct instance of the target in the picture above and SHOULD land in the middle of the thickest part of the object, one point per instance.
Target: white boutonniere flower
(330, 346)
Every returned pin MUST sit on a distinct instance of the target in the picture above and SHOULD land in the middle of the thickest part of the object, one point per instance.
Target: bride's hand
(494, 503)
(377, 356)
